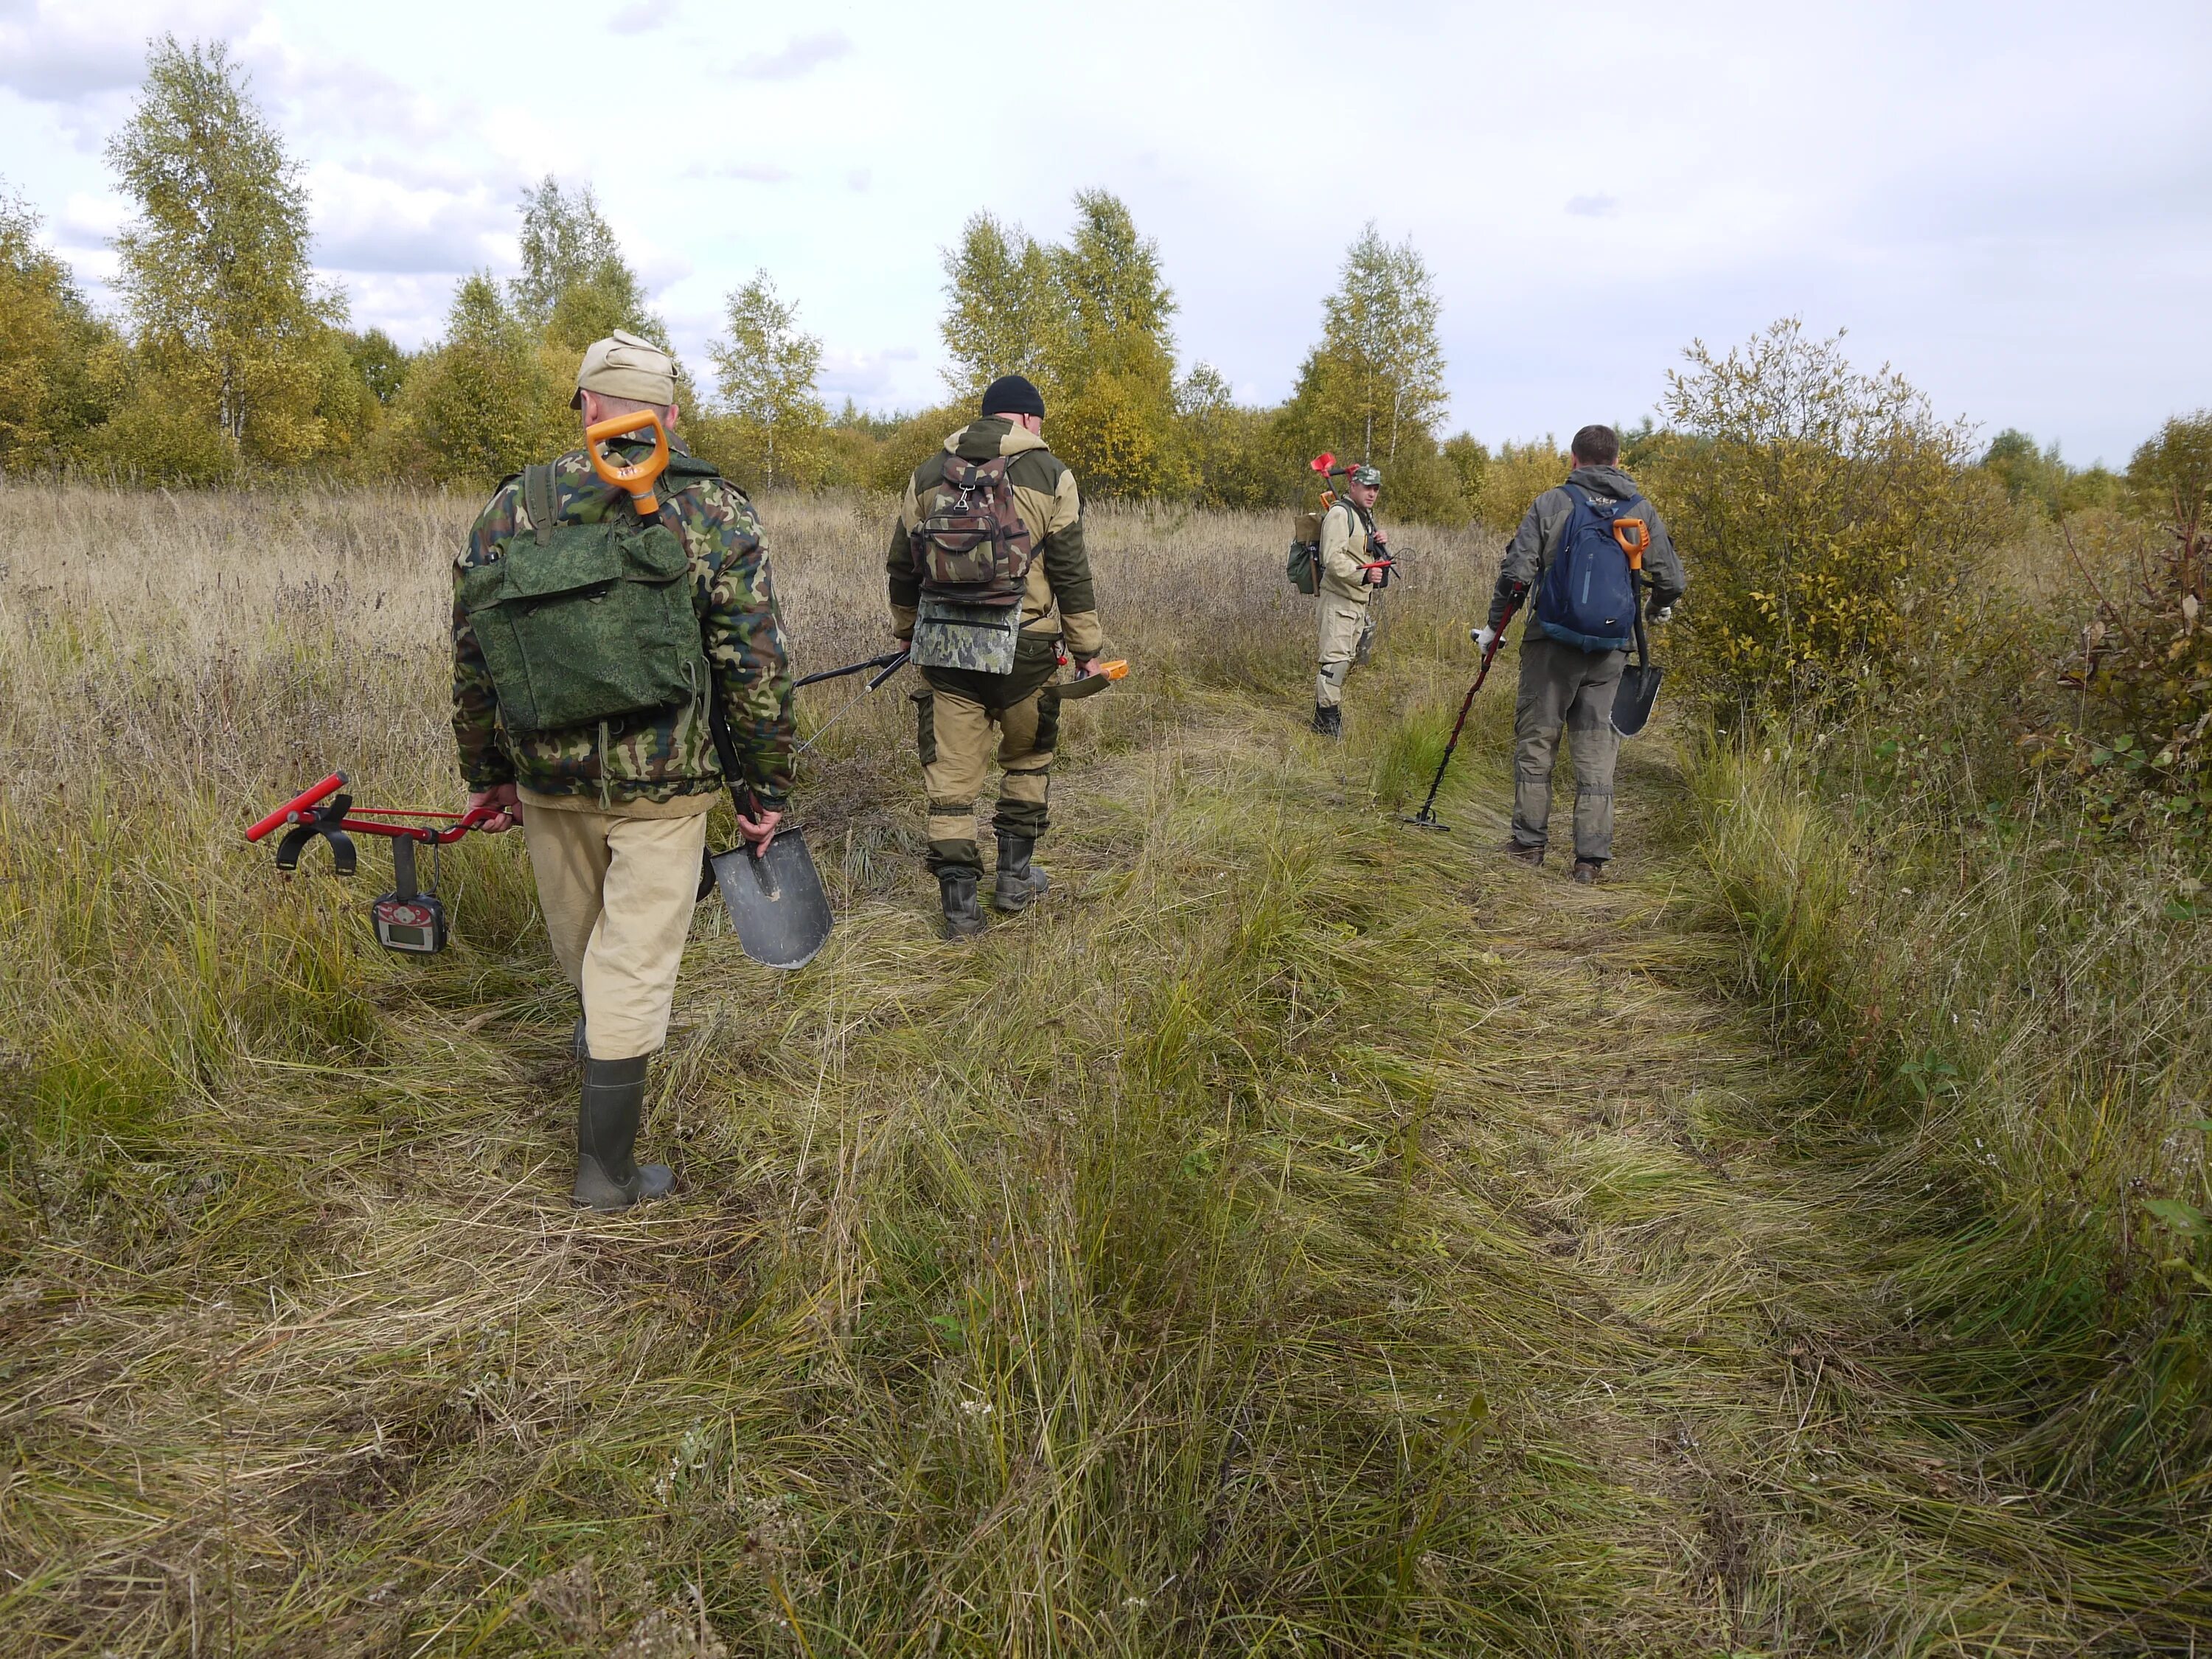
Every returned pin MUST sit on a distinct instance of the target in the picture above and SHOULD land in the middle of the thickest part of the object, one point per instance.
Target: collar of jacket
(1608, 481)
(992, 436)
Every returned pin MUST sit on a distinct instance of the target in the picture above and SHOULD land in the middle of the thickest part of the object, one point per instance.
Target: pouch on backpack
(593, 623)
(971, 545)
(1587, 598)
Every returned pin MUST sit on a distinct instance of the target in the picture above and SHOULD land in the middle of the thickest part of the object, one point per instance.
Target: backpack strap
(541, 500)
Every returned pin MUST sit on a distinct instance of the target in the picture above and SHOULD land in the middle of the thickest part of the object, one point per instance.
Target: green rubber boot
(607, 1177)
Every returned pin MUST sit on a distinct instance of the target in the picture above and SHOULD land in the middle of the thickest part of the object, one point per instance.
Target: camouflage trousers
(1564, 686)
(1347, 634)
(955, 737)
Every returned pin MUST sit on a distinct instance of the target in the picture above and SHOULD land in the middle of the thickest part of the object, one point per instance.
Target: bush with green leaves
(1828, 513)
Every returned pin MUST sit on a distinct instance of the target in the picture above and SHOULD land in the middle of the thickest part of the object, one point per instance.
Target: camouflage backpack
(592, 622)
(971, 544)
(1304, 565)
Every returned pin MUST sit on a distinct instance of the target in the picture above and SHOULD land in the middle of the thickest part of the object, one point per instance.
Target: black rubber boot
(607, 1177)
(1330, 722)
(963, 917)
(1019, 884)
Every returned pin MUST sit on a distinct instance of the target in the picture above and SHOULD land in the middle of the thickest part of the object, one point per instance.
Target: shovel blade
(1631, 703)
(776, 901)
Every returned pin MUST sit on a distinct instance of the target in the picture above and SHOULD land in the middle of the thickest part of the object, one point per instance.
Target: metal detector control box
(407, 918)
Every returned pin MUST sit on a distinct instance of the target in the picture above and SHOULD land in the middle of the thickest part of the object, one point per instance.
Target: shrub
(1828, 513)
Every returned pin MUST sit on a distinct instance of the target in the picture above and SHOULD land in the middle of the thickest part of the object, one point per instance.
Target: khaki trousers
(1347, 632)
(617, 895)
(1560, 686)
(954, 736)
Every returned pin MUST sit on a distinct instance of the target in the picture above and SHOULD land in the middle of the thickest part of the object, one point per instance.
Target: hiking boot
(1020, 884)
(607, 1177)
(1330, 722)
(1588, 872)
(1522, 852)
(963, 917)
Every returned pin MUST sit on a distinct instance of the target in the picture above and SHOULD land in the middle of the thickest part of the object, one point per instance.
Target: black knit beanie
(1010, 394)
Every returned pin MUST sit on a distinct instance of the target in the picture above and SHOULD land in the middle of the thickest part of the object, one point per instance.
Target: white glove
(1484, 638)
(1665, 613)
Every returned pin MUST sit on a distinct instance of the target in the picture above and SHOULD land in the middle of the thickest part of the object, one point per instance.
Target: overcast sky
(2010, 202)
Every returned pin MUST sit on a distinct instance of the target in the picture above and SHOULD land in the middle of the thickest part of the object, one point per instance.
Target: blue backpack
(1586, 599)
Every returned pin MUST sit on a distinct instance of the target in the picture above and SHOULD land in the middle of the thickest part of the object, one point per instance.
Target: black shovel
(776, 900)
(1639, 684)
(774, 896)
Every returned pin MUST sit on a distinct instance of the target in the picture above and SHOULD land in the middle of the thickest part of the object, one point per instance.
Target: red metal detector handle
(295, 809)
(463, 823)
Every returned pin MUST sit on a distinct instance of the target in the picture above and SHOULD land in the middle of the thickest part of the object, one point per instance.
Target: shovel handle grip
(1635, 538)
(638, 477)
(312, 796)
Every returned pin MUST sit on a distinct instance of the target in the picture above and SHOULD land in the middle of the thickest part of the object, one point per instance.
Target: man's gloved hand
(1484, 638)
(1665, 613)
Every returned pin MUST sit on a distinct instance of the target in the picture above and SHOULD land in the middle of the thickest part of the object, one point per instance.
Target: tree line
(228, 360)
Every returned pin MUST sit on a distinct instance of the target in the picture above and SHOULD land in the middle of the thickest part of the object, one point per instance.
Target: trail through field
(1304, 1234)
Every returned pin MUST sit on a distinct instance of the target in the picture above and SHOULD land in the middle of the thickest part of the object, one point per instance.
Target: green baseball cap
(624, 365)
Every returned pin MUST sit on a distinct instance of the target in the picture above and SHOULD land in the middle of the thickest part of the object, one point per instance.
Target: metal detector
(1426, 817)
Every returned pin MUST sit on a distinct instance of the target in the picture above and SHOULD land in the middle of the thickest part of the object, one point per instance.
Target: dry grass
(1301, 1237)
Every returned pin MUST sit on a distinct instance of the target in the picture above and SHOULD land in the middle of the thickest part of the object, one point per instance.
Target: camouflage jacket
(665, 754)
(1045, 496)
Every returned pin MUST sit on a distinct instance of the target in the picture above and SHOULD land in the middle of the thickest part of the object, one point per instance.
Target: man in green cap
(1354, 559)
(992, 525)
(595, 650)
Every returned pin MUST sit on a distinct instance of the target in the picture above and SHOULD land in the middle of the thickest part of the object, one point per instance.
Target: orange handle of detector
(638, 477)
(1634, 538)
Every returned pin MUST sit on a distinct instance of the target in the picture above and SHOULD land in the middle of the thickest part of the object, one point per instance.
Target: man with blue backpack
(1577, 551)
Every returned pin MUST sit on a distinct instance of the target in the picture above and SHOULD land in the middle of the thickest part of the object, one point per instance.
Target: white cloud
(798, 56)
(641, 17)
(1594, 207)
(749, 173)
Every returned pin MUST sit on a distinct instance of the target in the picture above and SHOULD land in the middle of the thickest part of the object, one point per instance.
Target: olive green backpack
(587, 622)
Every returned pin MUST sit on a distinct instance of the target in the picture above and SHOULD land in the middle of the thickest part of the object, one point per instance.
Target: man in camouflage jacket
(957, 709)
(615, 813)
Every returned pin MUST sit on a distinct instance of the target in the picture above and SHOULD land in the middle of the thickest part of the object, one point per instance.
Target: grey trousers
(1561, 686)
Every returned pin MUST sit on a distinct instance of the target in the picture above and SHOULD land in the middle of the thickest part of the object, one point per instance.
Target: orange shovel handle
(638, 477)
(1634, 536)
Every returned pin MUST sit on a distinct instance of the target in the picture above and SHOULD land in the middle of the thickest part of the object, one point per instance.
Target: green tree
(214, 270)
(1004, 308)
(1112, 368)
(379, 361)
(767, 373)
(1378, 377)
(1828, 511)
(59, 365)
(479, 405)
(575, 285)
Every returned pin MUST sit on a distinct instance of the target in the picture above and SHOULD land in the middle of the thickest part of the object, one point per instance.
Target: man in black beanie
(987, 579)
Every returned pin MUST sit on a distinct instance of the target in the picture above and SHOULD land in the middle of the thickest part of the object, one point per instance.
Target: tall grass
(1300, 1236)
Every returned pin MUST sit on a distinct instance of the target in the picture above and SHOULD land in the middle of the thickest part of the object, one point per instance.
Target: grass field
(1302, 1236)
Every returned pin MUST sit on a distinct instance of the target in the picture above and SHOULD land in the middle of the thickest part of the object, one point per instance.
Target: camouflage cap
(1368, 477)
(624, 365)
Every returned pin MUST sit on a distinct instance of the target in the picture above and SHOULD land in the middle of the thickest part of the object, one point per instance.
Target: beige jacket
(1344, 546)
(1058, 598)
